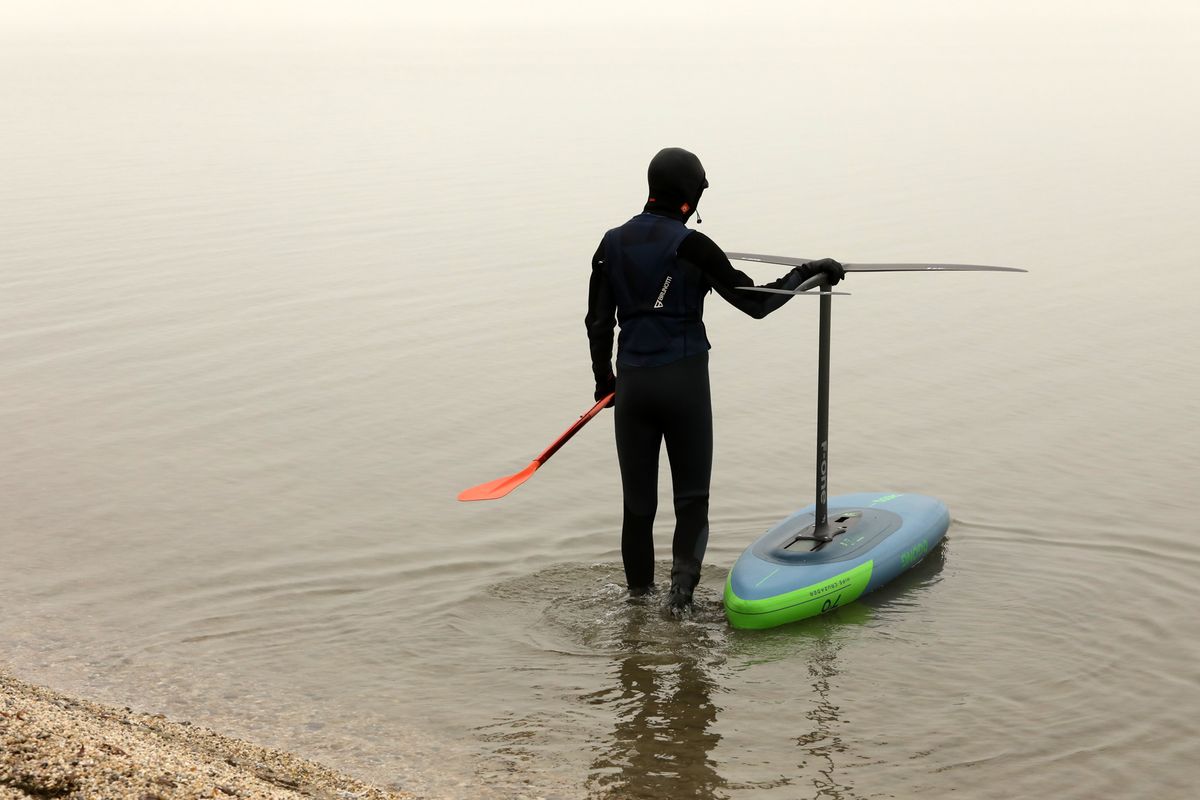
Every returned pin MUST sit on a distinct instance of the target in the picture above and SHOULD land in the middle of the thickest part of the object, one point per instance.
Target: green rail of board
(798, 604)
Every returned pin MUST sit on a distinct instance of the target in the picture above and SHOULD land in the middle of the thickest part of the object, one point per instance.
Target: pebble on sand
(52, 745)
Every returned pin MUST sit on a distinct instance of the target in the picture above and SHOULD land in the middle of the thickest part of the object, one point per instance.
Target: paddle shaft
(574, 429)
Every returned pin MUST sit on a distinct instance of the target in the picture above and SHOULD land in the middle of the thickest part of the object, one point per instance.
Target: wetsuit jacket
(697, 262)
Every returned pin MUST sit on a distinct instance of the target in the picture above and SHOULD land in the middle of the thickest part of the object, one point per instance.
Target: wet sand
(53, 745)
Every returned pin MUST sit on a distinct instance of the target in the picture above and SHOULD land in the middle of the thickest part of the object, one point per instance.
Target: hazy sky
(136, 16)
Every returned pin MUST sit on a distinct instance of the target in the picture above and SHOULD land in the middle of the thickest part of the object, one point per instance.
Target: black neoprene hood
(676, 179)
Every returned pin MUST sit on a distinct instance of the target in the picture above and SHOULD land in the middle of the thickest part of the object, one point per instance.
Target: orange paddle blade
(502, 486)
(493, 490)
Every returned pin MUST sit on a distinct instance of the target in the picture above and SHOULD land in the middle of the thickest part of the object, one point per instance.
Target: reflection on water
(661, 681)
(824, 740)
(908, 588)
(825, 751)
(804, 664)
(662, 742)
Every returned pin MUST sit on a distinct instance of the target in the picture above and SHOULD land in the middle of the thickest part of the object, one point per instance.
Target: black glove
(606, 387)
(833, 270)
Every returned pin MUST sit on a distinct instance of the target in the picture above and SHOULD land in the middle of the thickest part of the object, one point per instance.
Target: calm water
(274, 289)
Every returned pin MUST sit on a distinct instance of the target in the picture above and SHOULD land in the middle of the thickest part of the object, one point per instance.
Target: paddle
(494, 490)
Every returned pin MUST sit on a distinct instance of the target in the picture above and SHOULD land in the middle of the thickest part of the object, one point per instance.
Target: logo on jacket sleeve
(659, 302)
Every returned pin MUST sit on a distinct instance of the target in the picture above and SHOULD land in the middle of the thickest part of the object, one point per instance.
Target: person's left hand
(834, 271)
(606, 387)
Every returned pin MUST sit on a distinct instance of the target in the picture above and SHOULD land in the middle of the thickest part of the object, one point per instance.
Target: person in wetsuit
(651, 275)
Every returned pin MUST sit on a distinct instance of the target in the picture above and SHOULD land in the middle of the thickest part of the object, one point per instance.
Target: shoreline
(55, 745)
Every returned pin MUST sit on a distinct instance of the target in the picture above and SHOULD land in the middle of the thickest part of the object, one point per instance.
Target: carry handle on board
(821, 531)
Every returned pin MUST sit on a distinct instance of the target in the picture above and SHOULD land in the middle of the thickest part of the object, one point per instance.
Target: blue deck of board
(920, 523)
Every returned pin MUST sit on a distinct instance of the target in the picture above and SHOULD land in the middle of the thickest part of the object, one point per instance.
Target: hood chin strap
(662, 203)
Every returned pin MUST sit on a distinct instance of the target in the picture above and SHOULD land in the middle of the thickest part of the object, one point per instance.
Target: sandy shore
(52, 745)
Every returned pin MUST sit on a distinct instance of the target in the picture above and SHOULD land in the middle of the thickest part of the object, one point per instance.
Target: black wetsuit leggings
(671, 402)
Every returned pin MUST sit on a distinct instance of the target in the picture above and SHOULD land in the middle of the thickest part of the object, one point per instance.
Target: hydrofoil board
(791, 573)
